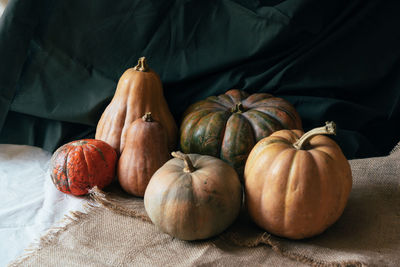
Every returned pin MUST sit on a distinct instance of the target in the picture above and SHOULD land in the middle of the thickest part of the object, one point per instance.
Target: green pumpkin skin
(229, 125)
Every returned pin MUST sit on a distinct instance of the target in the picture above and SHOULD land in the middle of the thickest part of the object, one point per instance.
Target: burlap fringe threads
(51, 234)
(100, 197)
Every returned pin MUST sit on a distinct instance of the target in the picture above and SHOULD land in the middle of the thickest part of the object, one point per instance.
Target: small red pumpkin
(80, 165)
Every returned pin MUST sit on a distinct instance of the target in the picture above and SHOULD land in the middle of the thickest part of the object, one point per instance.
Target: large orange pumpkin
(78, 166)
(139, 90)
(229, 125)
(296, 184)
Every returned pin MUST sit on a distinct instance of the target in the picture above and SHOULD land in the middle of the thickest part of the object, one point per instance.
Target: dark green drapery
(334, 60)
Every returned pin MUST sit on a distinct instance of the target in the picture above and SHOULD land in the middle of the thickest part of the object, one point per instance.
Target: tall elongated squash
(139, 90)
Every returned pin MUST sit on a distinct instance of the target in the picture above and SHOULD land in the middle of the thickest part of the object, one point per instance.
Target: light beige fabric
(368, 233)
(3, 4)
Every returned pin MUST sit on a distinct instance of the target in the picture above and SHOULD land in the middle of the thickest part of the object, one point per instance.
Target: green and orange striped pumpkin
(229, 125)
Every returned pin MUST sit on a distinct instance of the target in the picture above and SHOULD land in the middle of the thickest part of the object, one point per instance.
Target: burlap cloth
(368, 233)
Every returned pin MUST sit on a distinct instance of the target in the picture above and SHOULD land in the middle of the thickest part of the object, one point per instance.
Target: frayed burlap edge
(267, 239)
(51, 235)
(395, 149)
(100, 197)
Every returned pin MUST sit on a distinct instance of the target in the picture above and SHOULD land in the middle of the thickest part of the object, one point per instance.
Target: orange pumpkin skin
(139, 90)
(145, 151)
(229, 125)
(80, 165)
(296, 193)
(193, 205)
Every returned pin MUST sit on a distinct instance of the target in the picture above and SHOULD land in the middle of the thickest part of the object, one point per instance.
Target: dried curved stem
(186, 159)
(329, 128)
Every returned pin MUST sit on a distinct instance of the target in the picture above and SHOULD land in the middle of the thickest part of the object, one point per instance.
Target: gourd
(139, 90)
(229, 125)
(78, 166)
(146, 150)
(296, 184)
(193, 196)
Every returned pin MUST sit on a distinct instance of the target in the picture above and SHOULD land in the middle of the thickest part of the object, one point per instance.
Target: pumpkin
(78, 166)
(139, 90)
(229, 125)
(296, 184)
(146, 150)
(193, 196)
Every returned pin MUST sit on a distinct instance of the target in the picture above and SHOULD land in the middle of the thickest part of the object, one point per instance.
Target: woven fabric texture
(367, 234)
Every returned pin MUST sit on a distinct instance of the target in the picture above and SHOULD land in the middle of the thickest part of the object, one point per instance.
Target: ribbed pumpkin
(296, 184)
(229, 125)
(80, 165)
(139, 90)
(146, 150)
(193, 196)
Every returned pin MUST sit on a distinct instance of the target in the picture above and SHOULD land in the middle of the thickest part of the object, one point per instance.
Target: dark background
(60, 62)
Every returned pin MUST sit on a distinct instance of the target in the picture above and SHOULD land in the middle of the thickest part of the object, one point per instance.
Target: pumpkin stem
(186, 159)
(329, 128)
(238, 108)
(142, 65)
(147, 117)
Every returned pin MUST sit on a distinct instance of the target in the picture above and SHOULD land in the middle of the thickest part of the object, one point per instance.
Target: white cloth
(29, 202)
(3, 4)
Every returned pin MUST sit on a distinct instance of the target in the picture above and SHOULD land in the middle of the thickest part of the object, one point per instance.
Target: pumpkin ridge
(291, 115)
(86, 157)
(105, 131)
(323, 152)
(320, 173)
(219, 138)
(235, 99)
(66, 170)
(277, 139)
(99, 151)
(254, 126)
(237, 95)
(114, 117)
(222, 138)
(236, 157)
(172, 194)
(212, 98)
(53, 162)
(276, 118)
(194, 125)
(291, 173)
(261, 200)
(225, 100)
(291, 139)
